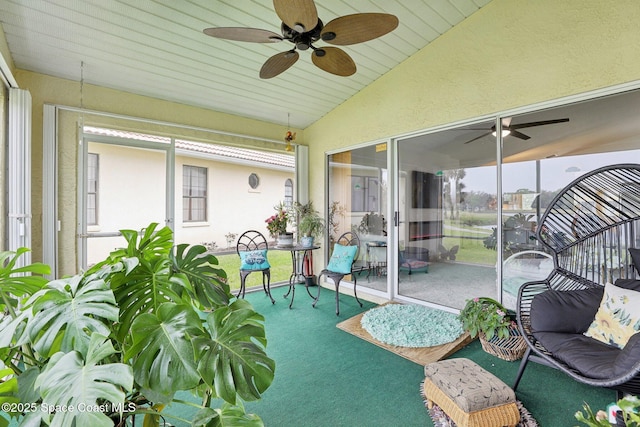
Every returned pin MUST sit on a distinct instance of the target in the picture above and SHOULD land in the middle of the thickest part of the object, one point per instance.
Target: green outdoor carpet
(326, 377)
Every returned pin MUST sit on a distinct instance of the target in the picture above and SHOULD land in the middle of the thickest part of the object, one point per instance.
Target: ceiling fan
(512, 130)
(302, 27)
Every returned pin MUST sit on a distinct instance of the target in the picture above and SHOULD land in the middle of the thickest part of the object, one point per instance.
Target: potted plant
(124, 337)
(310, 225)
(494, 325)
(277, 226)
(624, 413)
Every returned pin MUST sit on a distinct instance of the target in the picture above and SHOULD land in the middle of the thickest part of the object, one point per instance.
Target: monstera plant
(122, 339)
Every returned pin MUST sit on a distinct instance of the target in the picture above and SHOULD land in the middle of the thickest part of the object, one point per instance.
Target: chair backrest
(350, 239)
(250, 241)
(590, 225)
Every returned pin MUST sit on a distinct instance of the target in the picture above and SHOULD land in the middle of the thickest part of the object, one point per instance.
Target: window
(288, 193)
(254, 181)
(194, 193)
(364, 196)
(92, 188)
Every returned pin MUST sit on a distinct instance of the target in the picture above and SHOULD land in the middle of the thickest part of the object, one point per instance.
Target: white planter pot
(284, 240)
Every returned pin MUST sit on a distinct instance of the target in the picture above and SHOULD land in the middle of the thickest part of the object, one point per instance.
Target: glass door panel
(125, 188)
(596, 134)
(358, 202)
(447, 205)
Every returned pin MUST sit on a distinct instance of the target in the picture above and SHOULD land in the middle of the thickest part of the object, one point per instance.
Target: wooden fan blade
(542, 123)
(358, 28)
(334, 60)
(278, 63)
(520, 135)
(254, 35)
(296, 13)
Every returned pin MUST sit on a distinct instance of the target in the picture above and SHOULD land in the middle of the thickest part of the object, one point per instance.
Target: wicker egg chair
(588, 228)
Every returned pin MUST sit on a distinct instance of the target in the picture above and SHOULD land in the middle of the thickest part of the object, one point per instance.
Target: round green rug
(410, 325)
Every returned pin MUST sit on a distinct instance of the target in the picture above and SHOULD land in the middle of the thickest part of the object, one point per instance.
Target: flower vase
(284, 240)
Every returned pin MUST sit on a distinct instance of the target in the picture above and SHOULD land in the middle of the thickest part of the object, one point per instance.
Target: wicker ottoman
(470, 395)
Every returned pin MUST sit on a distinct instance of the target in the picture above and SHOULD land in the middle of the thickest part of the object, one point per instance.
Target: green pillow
(342, 258)
(254, 260)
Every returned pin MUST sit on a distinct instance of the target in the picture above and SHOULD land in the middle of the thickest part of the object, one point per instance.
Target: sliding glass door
(447, 210)
(357, 192)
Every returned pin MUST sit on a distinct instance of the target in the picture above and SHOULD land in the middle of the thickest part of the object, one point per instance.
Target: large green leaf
(67, 311)
(19, 281)
(162, 354)
(8, 389)
(144, 282)
(75, 381)
(233, 360)
(197, 273)
(227, 416)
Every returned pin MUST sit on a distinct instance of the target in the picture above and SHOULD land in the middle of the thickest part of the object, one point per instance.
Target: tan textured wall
(511, 53)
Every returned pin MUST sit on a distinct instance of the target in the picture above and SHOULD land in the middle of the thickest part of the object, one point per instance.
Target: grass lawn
(280, 268)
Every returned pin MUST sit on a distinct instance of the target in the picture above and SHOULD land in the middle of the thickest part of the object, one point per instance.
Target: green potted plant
(124, 337)
(495, 327)
(310, 226)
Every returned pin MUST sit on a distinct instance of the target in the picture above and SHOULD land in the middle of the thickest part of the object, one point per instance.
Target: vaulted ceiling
(157, 48)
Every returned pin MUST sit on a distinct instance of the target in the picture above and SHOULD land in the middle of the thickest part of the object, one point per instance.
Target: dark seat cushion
(590, 357)
(565, 311)
(570, 311)
(558, 320)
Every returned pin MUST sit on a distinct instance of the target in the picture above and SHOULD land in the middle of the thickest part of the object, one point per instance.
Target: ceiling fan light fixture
(299, 28)
(302, 45)
(505, 132)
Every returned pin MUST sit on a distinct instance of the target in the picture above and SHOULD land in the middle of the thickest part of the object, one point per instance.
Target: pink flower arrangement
(277, 224)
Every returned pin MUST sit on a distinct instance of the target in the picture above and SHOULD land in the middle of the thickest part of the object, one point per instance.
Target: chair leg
(315, 300)
(267, 289)
(337, 298)
(243, 276)
(355, 294)
(523, 365)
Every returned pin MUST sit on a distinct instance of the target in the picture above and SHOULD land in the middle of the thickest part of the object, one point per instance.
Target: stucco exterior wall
(132, 193)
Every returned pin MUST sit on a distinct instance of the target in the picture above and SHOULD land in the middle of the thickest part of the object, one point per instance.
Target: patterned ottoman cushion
(471, 387)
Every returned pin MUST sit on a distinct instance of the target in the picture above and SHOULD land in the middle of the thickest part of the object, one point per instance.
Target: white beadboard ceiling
(157, 48)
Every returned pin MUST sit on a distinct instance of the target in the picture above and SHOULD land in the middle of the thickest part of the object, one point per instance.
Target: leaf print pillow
(618, 317)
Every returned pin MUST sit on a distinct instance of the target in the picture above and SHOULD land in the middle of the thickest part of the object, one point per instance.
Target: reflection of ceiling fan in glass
(512, 130)
(302, 27)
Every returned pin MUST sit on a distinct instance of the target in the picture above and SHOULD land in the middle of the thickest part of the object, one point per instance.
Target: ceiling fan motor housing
(304, 40)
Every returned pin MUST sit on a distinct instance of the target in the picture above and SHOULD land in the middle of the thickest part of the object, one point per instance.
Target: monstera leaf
(77, 381)
(162, 354)
(8, 389)
(72, 308)
(20, 281)
(198, 274)
(233, 359)
(227, 416)
(144, 284)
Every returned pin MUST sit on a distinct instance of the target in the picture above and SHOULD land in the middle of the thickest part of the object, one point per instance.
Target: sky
(556, 173)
